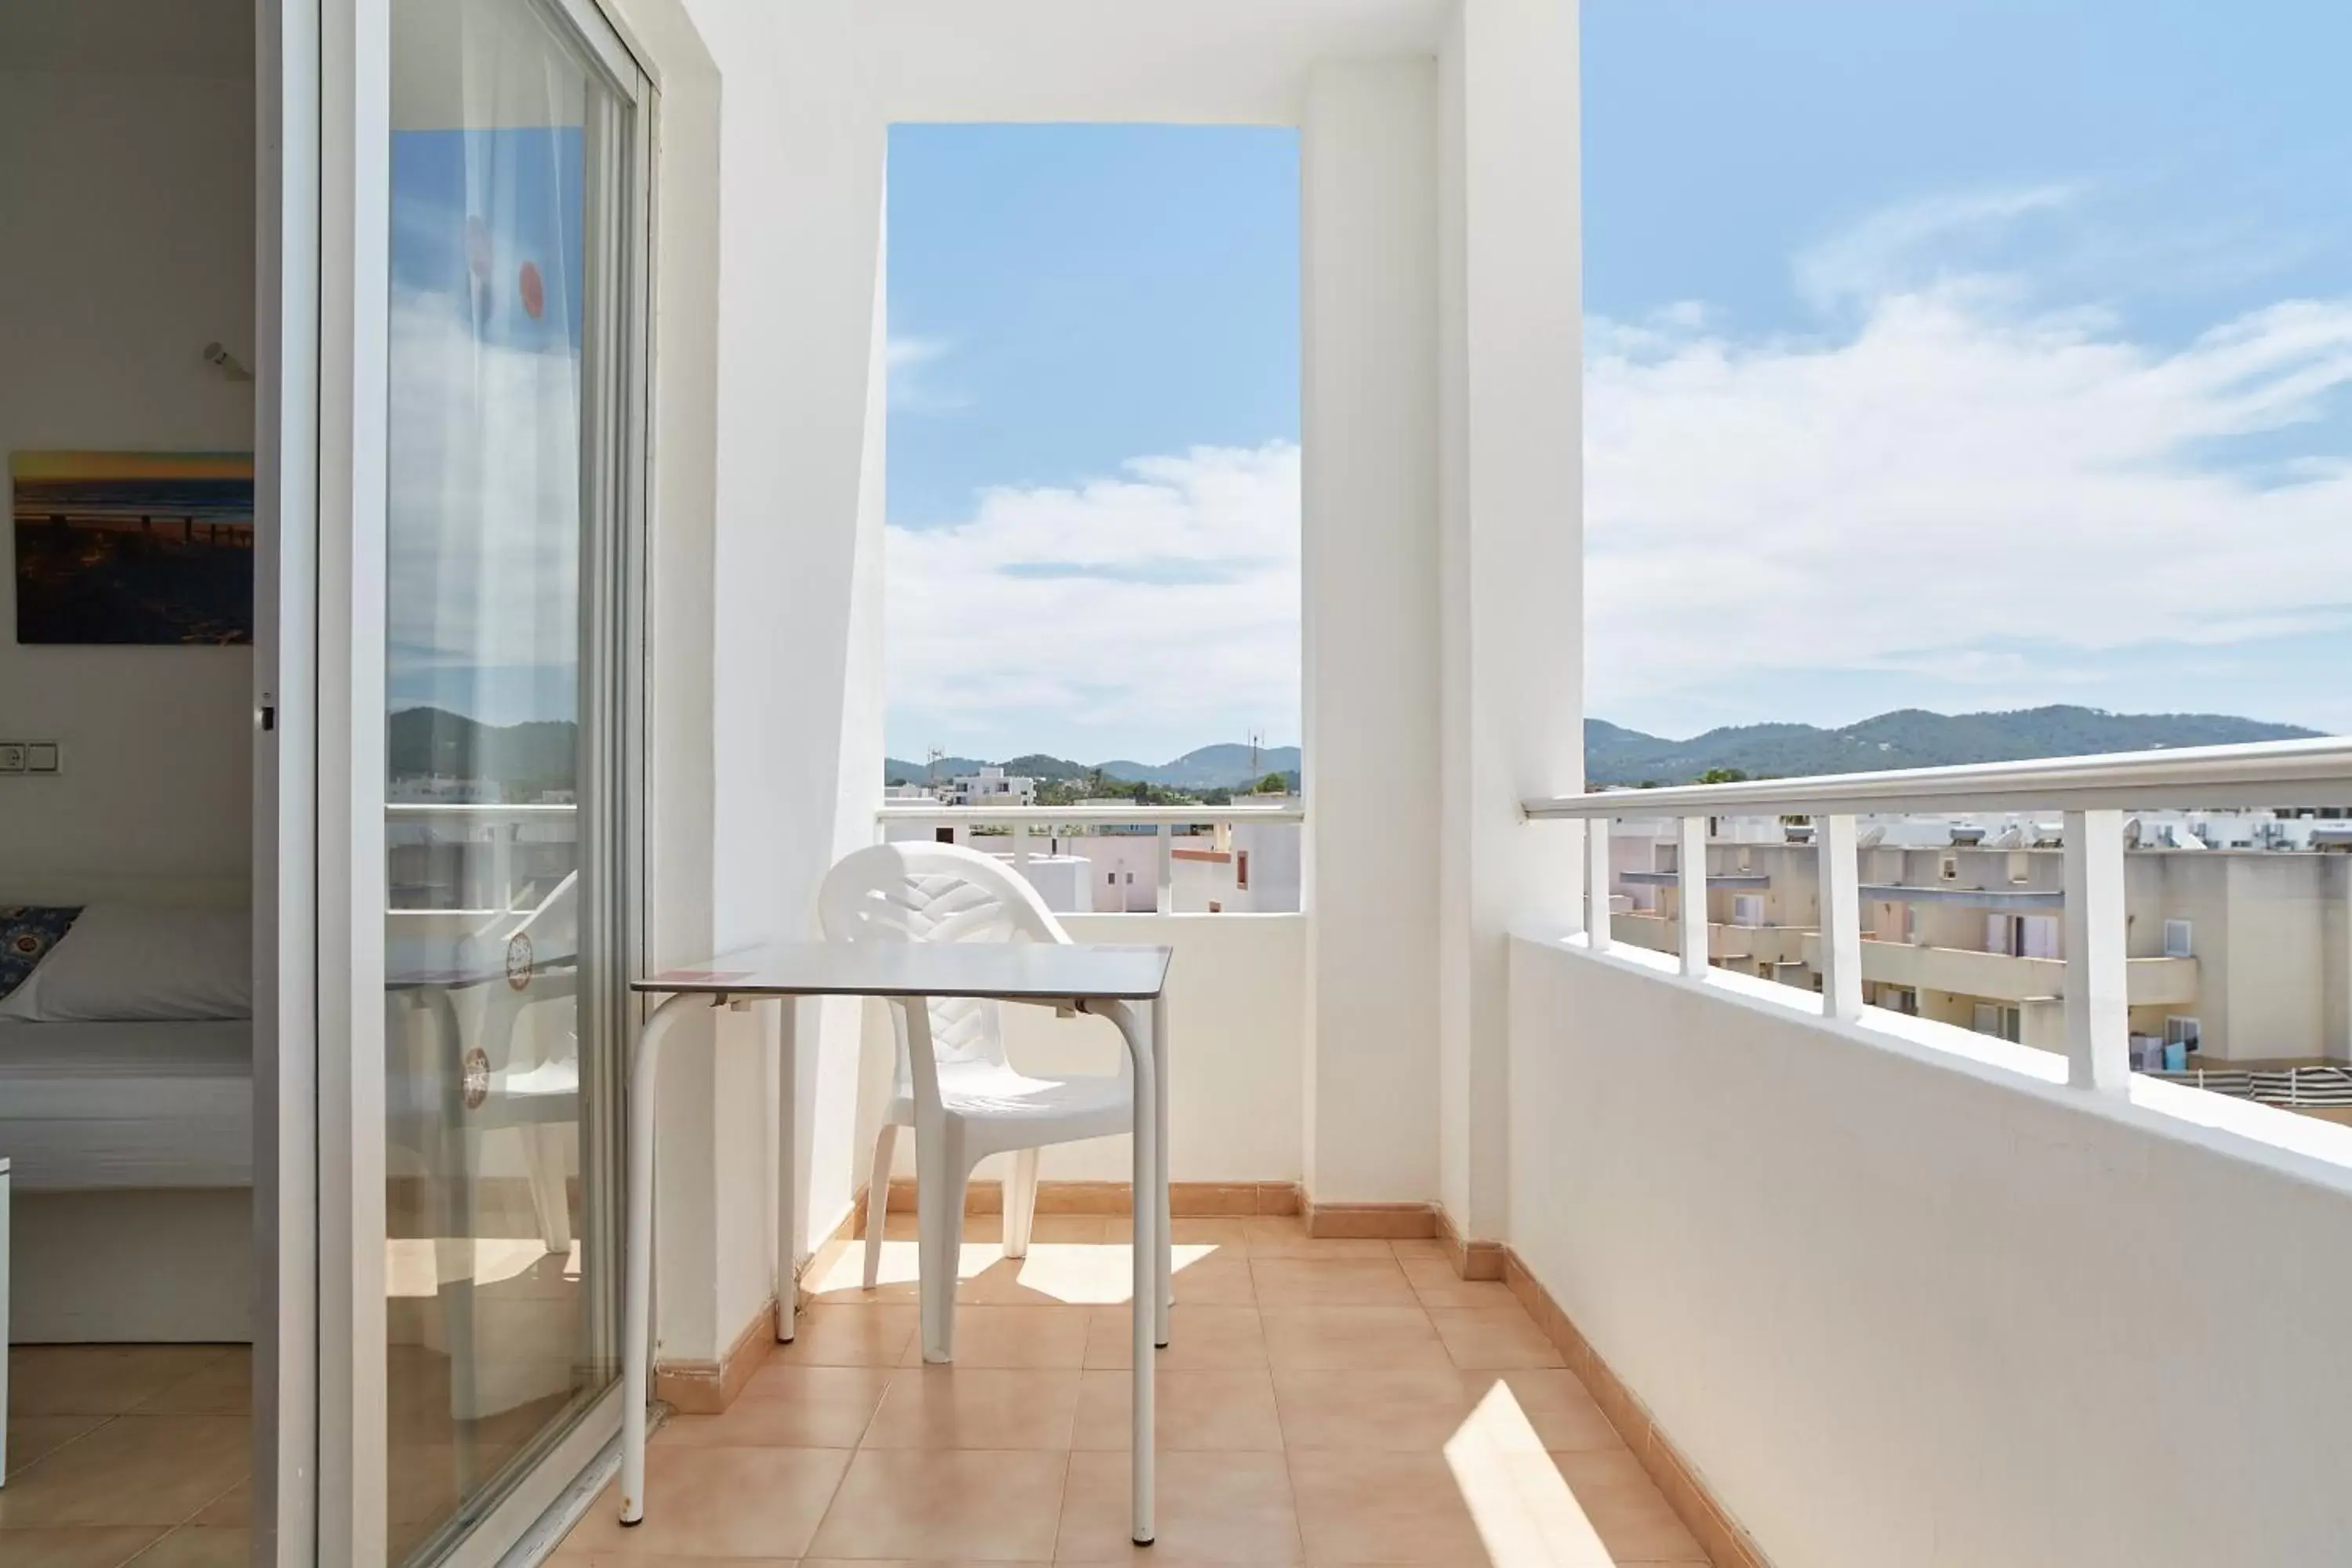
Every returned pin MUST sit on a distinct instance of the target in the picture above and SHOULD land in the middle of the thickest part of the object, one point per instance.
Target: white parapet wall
(1905, 1299)
(1237, 1016)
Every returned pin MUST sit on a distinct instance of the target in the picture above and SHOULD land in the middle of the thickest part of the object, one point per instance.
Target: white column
(791, 423)
(1690, 870)
(1840, 918)
(2097, 1023)
(1370, 628)
(1511, 564)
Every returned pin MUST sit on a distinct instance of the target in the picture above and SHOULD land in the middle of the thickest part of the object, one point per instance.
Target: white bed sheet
(127, 1105)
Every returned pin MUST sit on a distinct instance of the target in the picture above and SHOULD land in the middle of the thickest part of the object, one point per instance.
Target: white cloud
(1957, 476)
(484, 533)
(910, 364)
(1890, 249)
(1157, 609)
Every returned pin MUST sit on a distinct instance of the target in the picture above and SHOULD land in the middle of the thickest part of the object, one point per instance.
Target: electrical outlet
(12, 756)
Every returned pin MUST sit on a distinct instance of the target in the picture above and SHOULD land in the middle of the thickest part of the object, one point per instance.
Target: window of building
(2184, 1032)
(2178, 938)
(1949, 869)
(1241, 869)
(943, 835)
(2002, 1023)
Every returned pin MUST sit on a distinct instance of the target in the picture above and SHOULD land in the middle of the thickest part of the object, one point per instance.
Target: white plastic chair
(953, 1084)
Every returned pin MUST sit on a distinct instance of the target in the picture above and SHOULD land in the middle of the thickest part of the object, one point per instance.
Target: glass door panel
(514, 185)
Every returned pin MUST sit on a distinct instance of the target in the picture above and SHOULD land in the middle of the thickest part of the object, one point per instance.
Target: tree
(1723, 775)
(1273, 784)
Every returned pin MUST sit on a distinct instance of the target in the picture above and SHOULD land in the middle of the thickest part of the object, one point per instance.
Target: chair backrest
(936, 892)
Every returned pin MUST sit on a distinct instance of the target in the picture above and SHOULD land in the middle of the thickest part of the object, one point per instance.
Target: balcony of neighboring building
(2004, 977)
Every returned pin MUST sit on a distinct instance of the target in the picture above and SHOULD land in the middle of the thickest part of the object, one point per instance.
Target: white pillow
(127, 962)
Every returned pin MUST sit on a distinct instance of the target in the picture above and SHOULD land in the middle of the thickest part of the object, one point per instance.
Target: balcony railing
(493, 849)
(1024, 824)
(2094, 793)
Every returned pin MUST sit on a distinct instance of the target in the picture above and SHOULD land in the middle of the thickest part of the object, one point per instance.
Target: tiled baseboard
(709, 1387)
(1186, 1200)
(1471, 1259)
(1377, 1222)
(1727, 1545)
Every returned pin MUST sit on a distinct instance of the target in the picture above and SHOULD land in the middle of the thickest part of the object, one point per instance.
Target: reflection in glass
(509, 160)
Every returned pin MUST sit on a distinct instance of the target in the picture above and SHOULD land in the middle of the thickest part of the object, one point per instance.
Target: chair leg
(1020, 1203)
(544, 1145)
(940, 1176)
(878, 1199)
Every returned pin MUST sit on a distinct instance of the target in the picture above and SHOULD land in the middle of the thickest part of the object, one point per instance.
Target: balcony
(2004, 977)
(1822, 1239)
(1750, 944)
(1757, 1235)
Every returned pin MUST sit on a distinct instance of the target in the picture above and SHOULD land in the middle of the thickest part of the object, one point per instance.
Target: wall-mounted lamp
(227, 364)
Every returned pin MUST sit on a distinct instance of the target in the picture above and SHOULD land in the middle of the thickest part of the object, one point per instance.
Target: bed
(132, 1148)
(99, 1106)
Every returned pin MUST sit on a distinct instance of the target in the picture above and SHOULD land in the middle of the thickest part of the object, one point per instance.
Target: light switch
(12, 756)
(41, 757)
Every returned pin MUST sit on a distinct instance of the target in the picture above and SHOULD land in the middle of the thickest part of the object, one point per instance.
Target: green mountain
(1225, 766)
(526, 759)
(1907, 738)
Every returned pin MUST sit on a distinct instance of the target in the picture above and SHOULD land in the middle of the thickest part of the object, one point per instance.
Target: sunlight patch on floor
(1525, 1512)
(1077, 1274)
(421, 1265)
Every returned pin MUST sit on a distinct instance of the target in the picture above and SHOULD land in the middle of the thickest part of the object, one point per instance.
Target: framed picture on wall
(133, 547)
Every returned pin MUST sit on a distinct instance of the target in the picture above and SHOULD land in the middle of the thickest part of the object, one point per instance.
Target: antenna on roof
(1256, 740)
(931, 764)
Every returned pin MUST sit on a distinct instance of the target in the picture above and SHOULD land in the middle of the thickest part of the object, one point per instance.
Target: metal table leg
(638, 1302)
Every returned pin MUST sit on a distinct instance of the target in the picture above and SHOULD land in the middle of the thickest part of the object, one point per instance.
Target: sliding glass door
(486, 164)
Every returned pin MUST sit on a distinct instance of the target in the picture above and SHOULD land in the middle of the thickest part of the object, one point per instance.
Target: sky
(1965, 357)
(483, 425)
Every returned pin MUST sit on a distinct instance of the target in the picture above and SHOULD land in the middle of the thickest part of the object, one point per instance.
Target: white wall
(1904, 1301)
(767, 620)
(127, 201)
(1236, 1011)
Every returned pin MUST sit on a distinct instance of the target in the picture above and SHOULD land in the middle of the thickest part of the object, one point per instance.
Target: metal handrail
(1082, 815)
(2270, 773)
(2092, 792)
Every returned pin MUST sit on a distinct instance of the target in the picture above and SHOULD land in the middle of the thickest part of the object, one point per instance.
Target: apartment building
(990, 786)
(2237, 954)
(1238, 868)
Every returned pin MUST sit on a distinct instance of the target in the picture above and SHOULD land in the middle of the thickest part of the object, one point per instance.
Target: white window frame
(2179, 939)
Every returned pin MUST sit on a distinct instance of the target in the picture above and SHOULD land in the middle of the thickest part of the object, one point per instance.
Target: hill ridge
(1614, 754)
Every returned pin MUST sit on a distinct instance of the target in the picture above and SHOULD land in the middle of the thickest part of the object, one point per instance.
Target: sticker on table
(476, 1081)
(521, 961)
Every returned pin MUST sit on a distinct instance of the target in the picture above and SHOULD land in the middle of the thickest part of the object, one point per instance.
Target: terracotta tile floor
(1322, 1403)
(118, 1453)
(140, 1454)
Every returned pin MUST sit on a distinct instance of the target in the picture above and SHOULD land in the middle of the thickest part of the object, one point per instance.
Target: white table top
(1004, 971)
